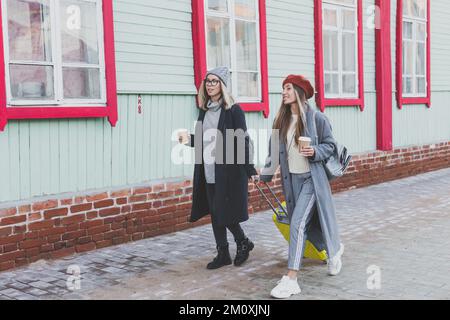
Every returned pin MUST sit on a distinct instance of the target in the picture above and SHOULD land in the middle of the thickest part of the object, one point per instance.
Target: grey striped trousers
(305, 203)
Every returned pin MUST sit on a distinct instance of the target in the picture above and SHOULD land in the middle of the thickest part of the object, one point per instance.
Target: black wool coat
(231, 187)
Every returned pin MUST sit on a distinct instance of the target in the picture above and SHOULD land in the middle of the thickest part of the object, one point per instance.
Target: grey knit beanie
(222, 73)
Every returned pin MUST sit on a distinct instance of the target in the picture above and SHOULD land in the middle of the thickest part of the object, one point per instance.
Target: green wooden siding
(290, 34)
(416, 124)
(155, 59)
(46, 157)
(154, 50)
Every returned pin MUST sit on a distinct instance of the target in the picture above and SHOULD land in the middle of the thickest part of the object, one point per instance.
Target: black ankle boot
(243, 249)
(223, 259)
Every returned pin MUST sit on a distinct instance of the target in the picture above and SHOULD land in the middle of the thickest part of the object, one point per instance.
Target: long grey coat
(325, 215)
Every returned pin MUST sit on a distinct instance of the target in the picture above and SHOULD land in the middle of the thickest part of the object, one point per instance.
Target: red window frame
(321, 101)
(52, 112)
(200, 55)
(401, 100)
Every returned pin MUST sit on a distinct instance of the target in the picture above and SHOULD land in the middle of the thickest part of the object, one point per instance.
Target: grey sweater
(211, 121)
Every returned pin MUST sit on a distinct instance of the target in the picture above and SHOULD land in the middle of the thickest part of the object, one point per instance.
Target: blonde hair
(283, 119)
(203, 97)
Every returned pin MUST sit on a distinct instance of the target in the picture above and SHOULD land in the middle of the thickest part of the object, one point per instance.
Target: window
(232, 33)
(413, 52)
(339, 56)
(55, 54)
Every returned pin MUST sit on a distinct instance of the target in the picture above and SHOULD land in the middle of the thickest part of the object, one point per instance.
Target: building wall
(155, 59)
(154, 49)
(416, 124)
(69, 186)
(45, 157)
(290, 32)
(57, 226)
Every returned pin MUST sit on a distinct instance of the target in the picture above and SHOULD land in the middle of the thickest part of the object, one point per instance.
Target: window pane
(408, 66)
(420, 62)
(79, 32)
(421, 86)
(218, 42)
(407, 85)
(415, 8)
(246, 9)
(349, 20)
(408, 7)
(218, 5)
(330, 17)
(421, 32)
(420, 8)
(81, 83)
(29, 30)
(407, 30)
(326, 51)
(31, 82)
(248, 85)
(331, 83)
(349, 51)
(349, 83)
(347, 2)
(330, 41)
(230, 81)
(246, 46)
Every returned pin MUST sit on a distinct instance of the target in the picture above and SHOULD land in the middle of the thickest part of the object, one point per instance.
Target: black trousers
(220, 231)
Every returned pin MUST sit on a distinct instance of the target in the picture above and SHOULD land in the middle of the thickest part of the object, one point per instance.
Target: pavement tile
(396, 226)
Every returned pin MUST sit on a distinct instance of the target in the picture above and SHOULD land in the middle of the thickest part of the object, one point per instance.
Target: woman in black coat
(220, 184)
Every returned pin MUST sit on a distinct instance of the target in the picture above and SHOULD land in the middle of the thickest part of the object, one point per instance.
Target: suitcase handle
(268, 200)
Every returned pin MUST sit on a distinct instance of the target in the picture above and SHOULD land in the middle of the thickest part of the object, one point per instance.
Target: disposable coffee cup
(183, 136)
(304, 142)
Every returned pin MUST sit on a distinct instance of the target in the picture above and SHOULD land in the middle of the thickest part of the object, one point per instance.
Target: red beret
(301, 82)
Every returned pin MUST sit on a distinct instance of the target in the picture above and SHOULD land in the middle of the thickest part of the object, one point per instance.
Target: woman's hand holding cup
(183, 136)
(305, 146)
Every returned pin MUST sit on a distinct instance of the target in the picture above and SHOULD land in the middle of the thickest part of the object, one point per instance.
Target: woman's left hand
(308, 151)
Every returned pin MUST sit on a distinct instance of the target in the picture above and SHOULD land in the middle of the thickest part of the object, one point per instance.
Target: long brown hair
(283, 119)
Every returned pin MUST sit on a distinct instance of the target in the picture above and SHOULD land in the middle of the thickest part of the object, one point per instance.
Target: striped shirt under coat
(323, 145)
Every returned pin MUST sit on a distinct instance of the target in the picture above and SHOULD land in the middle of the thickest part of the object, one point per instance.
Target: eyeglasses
(213, 82)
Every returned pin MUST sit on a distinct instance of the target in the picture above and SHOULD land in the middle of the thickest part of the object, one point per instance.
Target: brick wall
(59, 227)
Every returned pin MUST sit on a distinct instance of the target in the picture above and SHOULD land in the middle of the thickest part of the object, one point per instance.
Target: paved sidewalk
(398, 230)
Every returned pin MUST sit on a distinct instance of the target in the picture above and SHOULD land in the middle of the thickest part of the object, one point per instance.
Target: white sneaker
(286, 287)
(335, 263)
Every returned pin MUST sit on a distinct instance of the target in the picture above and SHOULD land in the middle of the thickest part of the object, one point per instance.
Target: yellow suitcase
(281, 220)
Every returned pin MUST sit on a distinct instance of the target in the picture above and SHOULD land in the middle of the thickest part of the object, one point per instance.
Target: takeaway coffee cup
(304, 142)
(183, 136)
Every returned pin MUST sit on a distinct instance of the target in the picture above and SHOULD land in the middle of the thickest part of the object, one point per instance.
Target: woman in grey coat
(305, 183)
